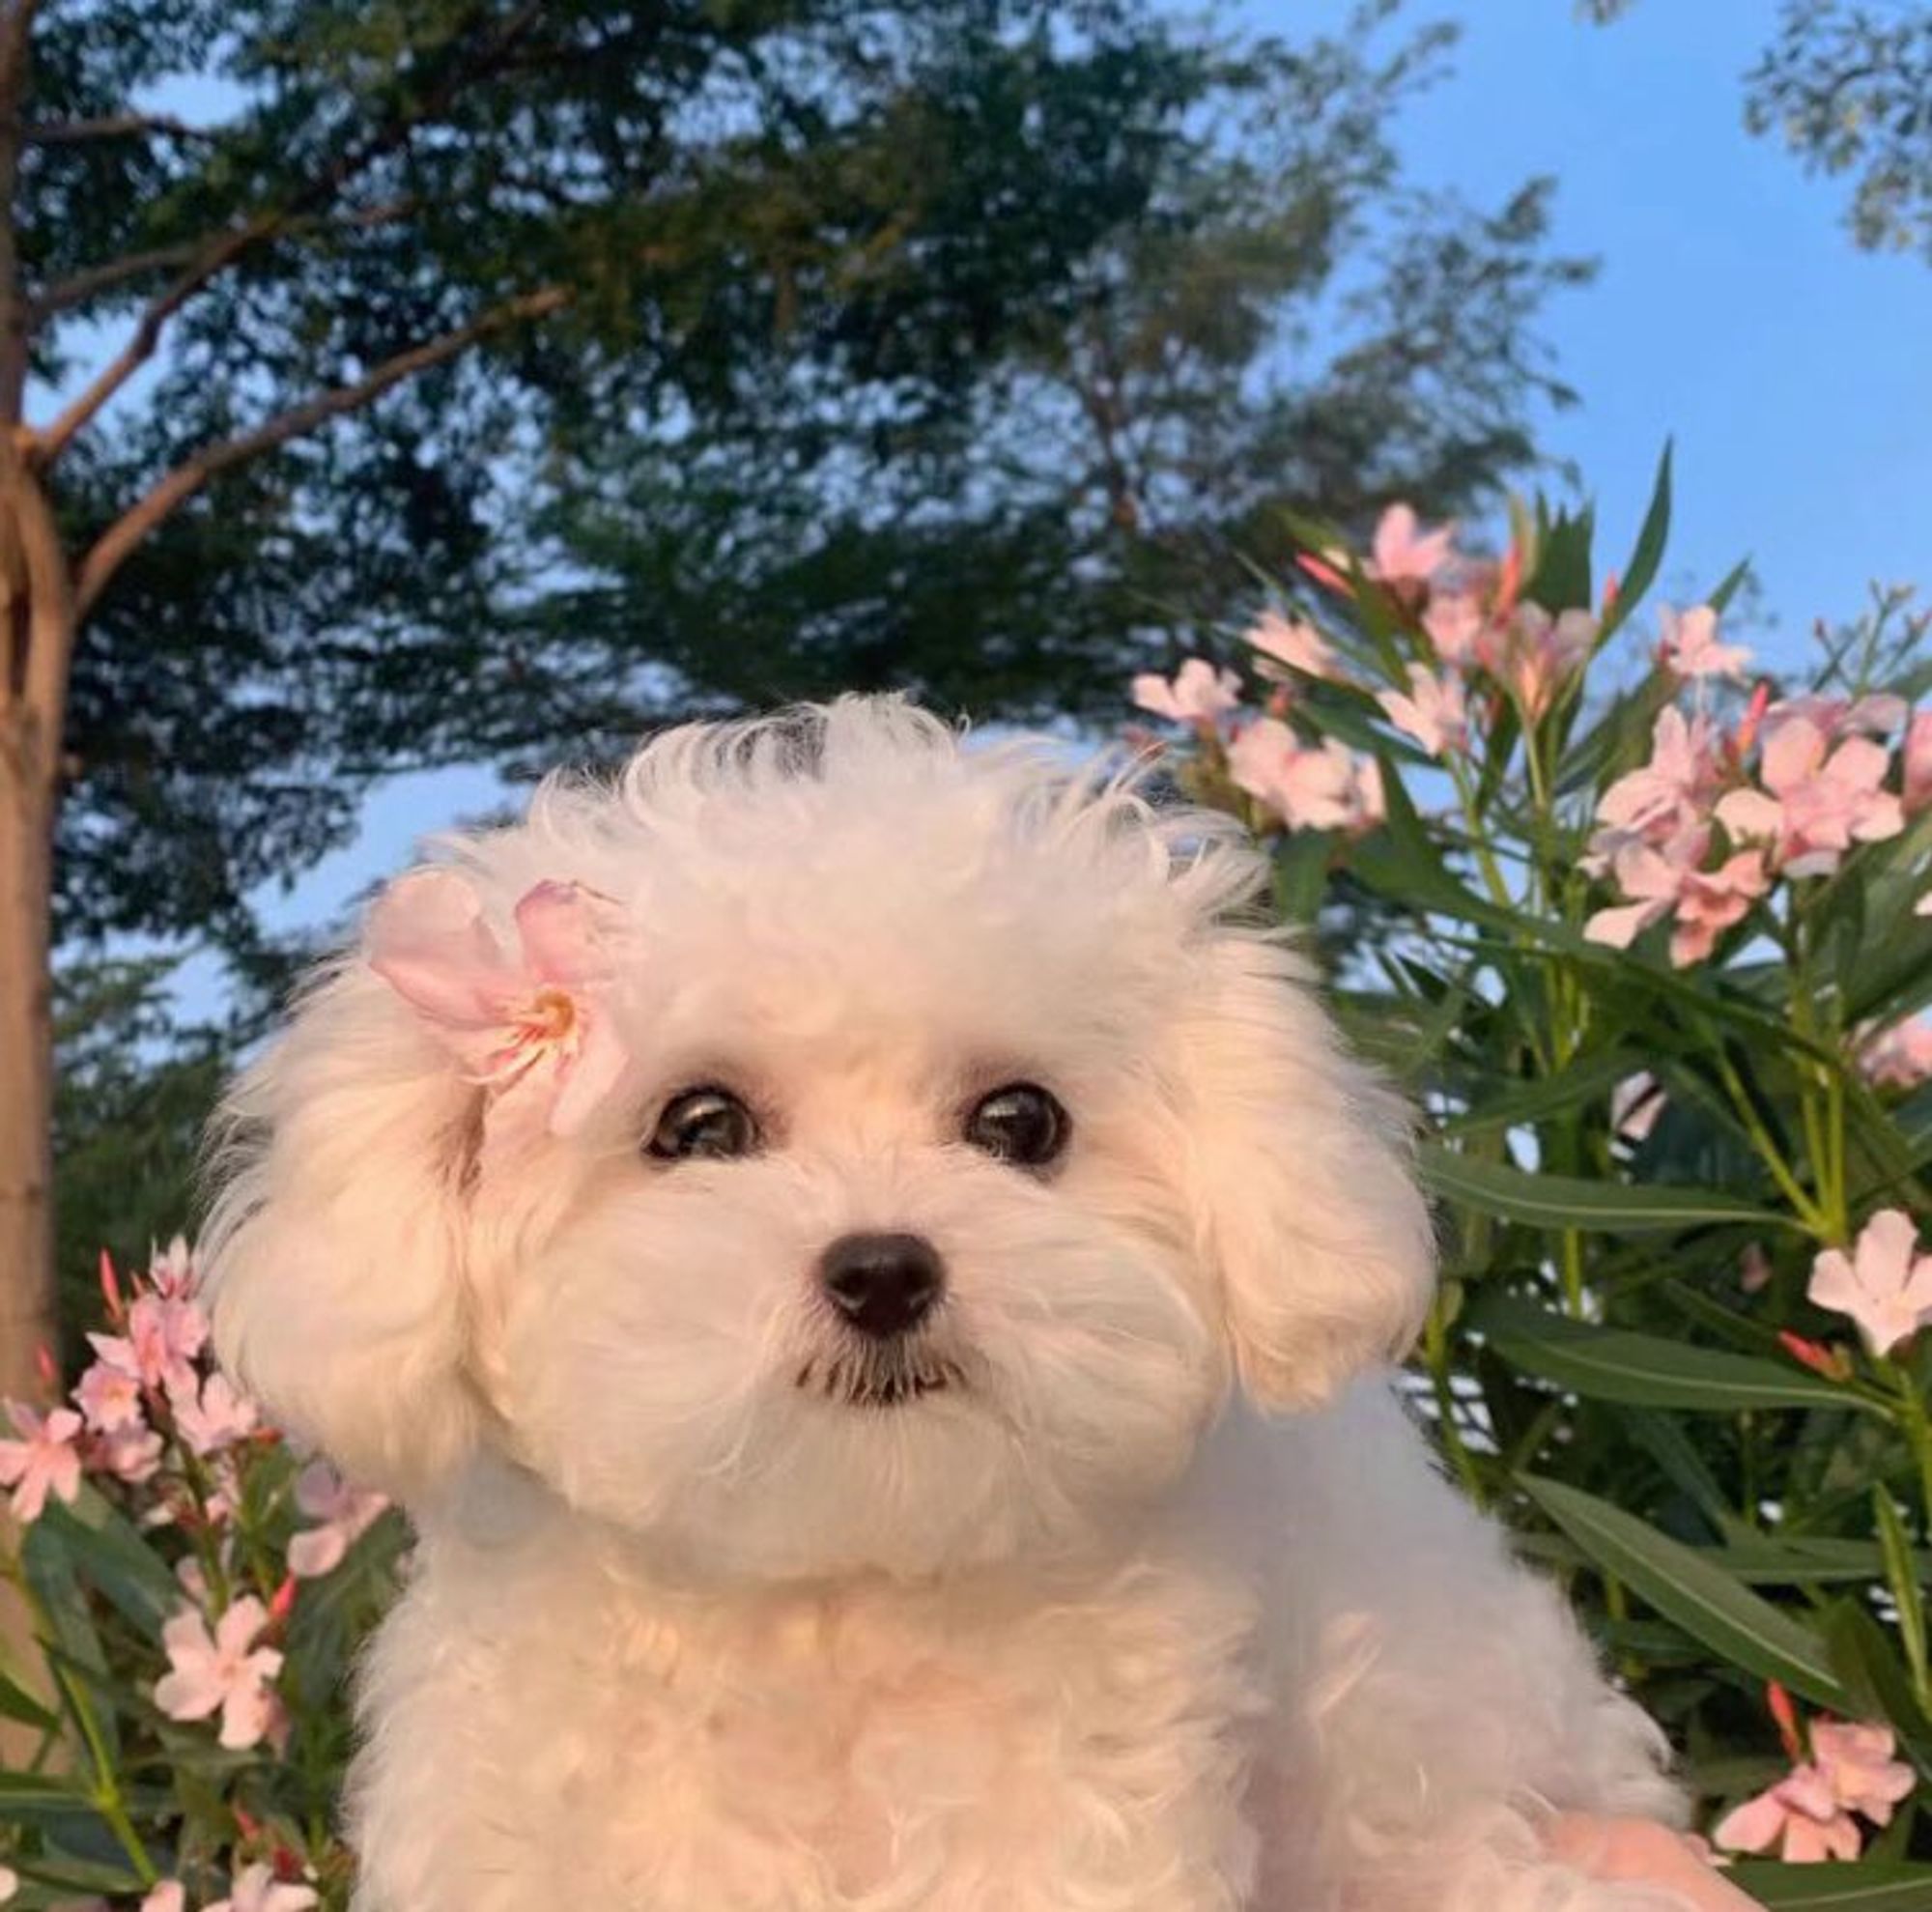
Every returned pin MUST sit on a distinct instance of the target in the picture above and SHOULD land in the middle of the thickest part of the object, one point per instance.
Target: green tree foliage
(827, 344)
(1849, 89)
(1278, 322)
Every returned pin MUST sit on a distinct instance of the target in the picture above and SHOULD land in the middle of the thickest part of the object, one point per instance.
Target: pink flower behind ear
(535, 1020)
(1884, 1284)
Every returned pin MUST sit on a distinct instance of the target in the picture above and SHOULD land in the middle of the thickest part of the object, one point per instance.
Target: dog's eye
(1020, 1123)
(709, 1125)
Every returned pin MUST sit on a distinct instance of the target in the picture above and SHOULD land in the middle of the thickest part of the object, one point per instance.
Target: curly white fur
(1090, 1632)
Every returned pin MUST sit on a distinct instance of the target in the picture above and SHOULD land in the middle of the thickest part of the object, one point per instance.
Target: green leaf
(1687, 1588)
(1585, 1082)
(1906, 1577)
(1841, 1888)
(17, 1703)
(1641, 573)
(17, 1790)
(112, 1556)
(1875, 1683)
(1645, 1370)
(1564, 1201)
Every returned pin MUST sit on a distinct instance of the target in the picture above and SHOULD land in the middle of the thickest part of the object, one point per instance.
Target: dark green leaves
(1735, 1624)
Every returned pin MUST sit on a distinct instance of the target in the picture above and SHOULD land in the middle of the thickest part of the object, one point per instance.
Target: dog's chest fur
(553, 1739)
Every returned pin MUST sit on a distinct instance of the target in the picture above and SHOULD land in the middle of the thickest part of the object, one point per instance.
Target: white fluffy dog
(819, 1234)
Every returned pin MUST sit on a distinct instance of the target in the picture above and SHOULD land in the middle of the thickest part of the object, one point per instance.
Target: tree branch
(91, 281)
(113, 126)
(233, 247)
(112, 548)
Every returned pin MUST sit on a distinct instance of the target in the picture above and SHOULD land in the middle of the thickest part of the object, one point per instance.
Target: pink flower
(1664, 799)
(1199, 693)
(215, 1417)
(1918, 763)
(1851, 1770)
(1534, 655)
(1432, 713)
(170, 1895)
(1858, 1763)
(227, 1672)
(537, 1017)
(346, 1514)
(256, 1889)
(109, 1396)
(1874, 716)
(1800, 1813)
(43, 1460)
(1453, 621)
(171, 1270)
(1690, 646)
(1821, 800)
(1884, 1285)
(165, 1333)
(1899, 1057)
(1404, 552)
(1293, 642)
(132, 1454)
(1323, 786)
(10, 1883)
(1666, 881)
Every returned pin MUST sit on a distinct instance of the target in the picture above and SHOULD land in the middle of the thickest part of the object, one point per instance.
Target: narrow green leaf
(17, 1703)
(112, 1556)
(1904, 1575)
(1647, 556)
(1582, 1083)
(1875, 1683)
(1563, 1201)
(1844, 1888)
(1645, 1370)
(1687, 1588)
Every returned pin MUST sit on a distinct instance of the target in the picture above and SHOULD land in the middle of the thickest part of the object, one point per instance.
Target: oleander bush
(1645, 931)
(1647, 934)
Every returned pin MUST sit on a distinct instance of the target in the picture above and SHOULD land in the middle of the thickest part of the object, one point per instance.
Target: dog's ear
(1303, 1198)
(332, 1258)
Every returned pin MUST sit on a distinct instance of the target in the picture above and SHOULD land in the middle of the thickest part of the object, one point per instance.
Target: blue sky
(1732, 314)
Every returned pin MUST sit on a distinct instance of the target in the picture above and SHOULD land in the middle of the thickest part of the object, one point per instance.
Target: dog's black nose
(882, 1284)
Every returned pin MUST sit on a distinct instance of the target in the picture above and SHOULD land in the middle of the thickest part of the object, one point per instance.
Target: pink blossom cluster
(1807, 1815)
(152, 1421)
(1485, 646)
(1322, 785)
(153, 1426)
(1699, 833)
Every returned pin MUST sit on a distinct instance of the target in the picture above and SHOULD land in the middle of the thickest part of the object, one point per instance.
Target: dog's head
(831, 1146)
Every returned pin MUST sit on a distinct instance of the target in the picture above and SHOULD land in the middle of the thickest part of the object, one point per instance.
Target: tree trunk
(27, 1321)
(37, 628)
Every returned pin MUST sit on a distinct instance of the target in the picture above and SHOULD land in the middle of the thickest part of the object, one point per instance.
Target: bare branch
(113, 126)
(91, 281)
(111, 548)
